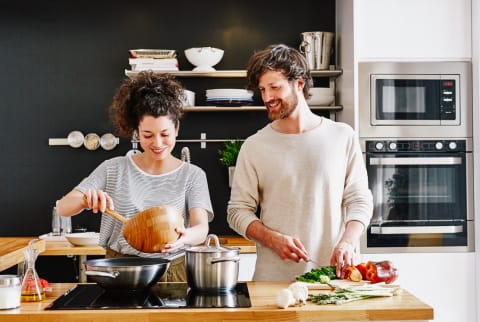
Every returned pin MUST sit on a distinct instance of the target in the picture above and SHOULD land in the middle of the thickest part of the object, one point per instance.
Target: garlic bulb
(285, 298)
(299, 292)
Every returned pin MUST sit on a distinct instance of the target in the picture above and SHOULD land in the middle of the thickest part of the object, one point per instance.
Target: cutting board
(11, 250)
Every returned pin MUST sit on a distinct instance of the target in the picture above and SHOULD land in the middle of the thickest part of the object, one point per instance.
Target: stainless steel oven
(415, 99)
(423, 194)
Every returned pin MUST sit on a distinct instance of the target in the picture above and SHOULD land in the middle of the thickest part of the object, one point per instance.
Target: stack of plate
(229, 97)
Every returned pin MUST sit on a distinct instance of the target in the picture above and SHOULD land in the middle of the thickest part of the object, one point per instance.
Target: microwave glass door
(413, 100)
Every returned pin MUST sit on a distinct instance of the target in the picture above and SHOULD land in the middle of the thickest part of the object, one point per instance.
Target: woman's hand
(194, 234)
(180, 242)
(97, 200)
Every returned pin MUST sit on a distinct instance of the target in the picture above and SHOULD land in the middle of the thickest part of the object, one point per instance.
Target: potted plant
(228, 156)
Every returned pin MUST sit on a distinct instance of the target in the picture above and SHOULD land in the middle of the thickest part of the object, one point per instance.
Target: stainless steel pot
(212, 268)
(128, 273)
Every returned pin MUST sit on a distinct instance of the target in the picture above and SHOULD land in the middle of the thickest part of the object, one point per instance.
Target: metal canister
(317, 48)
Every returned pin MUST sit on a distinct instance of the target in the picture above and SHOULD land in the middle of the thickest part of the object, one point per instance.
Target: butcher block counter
(12, 248)
(402, 307)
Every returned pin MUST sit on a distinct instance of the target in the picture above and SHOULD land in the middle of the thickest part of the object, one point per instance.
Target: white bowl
(83, 239)
(321, 96)
(204, 58)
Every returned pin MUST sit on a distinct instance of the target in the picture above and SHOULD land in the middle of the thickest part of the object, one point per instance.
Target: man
(303, 173)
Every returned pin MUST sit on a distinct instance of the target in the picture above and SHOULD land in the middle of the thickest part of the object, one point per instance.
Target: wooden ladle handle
(115, 215)
(111, 213)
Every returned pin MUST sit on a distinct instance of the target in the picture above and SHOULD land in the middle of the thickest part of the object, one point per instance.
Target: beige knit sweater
(306, 185)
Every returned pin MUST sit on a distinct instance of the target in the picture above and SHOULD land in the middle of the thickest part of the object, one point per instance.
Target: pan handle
(113, 274)
(223, 259)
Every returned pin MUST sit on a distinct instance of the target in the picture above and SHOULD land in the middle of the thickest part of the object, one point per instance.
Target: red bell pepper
(383, 271)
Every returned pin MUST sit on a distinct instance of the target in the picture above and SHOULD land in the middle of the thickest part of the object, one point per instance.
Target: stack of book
(153, 59)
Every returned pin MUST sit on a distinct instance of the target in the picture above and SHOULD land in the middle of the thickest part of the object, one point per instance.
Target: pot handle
(215, 239)
(223, 259)
(113, 274)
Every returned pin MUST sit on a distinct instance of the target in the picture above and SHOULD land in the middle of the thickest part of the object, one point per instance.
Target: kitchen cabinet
(412, 30)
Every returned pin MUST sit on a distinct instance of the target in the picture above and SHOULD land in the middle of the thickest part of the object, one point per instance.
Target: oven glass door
(417, 194)
(413, 99)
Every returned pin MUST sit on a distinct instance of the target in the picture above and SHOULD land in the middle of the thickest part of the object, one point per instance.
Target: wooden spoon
(149, 230)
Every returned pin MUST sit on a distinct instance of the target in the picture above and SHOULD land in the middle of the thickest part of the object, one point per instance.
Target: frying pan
(126, 273)
(149, 230)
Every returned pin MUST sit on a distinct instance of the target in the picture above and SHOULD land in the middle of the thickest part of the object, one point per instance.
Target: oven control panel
(415, 146)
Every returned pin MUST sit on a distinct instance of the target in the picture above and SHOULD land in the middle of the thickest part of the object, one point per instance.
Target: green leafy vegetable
(319, 275)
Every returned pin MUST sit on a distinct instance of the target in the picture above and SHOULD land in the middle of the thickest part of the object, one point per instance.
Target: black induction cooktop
(160, 296)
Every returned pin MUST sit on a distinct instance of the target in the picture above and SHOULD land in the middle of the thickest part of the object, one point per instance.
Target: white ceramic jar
(10, 291)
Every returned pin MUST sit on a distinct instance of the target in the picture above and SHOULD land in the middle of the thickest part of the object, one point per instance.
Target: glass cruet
(32, 290)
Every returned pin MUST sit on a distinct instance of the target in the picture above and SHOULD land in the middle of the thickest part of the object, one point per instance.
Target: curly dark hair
(281, 58)
(146, 94)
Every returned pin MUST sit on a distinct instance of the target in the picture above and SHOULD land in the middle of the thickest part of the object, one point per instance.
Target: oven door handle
(416, 161)
(416, 230)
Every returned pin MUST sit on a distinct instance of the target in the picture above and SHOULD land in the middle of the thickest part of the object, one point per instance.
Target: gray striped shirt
(134, 190)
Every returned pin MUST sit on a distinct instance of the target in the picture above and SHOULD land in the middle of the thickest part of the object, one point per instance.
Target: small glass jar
(10, 291)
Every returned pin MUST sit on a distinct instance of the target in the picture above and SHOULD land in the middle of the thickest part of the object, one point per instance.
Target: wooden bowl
(151, 229)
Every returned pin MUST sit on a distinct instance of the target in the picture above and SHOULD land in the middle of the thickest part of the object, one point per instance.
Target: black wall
(63, 60)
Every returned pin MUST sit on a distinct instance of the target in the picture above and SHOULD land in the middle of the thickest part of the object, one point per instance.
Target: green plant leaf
(229, 153)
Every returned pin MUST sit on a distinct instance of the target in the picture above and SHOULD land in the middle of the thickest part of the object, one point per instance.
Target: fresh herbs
(319, 275)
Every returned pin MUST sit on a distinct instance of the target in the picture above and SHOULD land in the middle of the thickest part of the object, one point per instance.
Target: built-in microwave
(415, 99)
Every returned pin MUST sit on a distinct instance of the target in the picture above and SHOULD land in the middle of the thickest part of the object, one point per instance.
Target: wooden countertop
(11, 250)
(58, 248)
(404, 306)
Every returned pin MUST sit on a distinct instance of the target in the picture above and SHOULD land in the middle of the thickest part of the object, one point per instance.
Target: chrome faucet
(185, 154)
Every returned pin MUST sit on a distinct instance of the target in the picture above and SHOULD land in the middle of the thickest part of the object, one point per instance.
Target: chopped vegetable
(362, 268)
(299, 292)
(319, 275)
(353, 274)
(383, 271)
(349, 294)
(324, 279)
(285, 298)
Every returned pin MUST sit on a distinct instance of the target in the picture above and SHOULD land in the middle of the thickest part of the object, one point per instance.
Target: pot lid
(211, 249)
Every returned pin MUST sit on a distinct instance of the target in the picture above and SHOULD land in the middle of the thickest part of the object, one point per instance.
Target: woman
(149, 107)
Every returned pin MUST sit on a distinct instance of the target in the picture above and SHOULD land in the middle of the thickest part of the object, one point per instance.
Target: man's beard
(287, 106)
